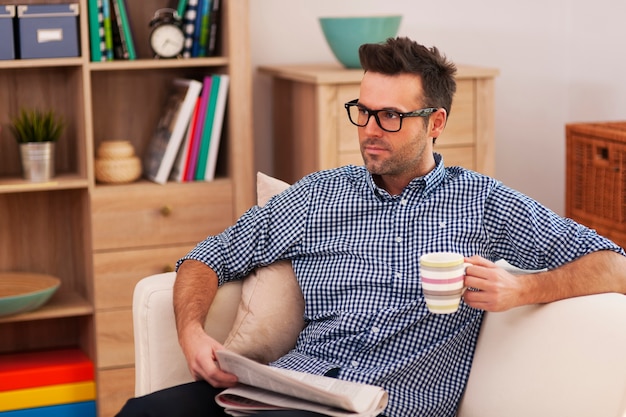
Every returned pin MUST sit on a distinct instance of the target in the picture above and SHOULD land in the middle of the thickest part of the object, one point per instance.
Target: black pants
(195, 399)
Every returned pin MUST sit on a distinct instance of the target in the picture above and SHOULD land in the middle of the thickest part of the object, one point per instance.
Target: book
(216, 129)
(103, 46)
(120, 50)
(33, 369)
(180, 9)
(96, 31)
(170, 130)
(108, 29)
(214, 28)
(182, 159)
(203, 35)
(189, 26)
(195, 46)
(47, 395)
(78, 409)
(126, 34)
(207, 127)
(262, 387)
(190, 171)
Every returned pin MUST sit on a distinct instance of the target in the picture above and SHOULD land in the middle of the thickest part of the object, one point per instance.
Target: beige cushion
(270, 314)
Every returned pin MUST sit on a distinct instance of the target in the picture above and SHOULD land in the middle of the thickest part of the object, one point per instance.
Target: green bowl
(21, 291)
(344, 35)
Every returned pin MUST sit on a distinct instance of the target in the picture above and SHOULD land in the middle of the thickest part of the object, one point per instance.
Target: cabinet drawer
(114, 338)
(141, 215)
(115, 387)
(117, 273)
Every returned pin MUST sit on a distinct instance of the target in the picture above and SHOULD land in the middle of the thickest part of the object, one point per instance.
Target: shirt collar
(427, 183)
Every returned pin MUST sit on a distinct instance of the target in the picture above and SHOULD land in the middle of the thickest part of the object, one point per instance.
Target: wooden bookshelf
(101, 239)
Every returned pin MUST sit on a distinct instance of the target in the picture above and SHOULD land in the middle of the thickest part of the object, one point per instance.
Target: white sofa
(564, 359)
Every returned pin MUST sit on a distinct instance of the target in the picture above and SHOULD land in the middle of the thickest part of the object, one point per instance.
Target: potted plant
(37, 132)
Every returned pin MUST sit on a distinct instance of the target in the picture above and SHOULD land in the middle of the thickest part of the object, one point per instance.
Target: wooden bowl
(23, 291)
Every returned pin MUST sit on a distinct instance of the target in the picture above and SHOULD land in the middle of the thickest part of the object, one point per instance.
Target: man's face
(405, 154)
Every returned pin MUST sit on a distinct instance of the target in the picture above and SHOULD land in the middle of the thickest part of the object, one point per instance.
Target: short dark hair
(403, 55)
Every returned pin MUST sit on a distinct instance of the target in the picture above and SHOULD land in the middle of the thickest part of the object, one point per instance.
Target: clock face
(167, 40)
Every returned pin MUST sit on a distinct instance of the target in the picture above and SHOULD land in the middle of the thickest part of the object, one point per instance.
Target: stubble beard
(399, 164)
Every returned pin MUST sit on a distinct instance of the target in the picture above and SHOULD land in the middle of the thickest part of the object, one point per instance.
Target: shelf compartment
(44, 232)
(55, 88)
(61, 304)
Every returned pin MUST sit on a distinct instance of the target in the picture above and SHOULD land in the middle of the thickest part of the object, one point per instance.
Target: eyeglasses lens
(386, 119)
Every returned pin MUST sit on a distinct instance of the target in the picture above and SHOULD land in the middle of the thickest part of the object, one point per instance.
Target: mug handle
(465, 288)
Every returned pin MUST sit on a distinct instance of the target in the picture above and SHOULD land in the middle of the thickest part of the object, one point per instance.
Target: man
(354, 236)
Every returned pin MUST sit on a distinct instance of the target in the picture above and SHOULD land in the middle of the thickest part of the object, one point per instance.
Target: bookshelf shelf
(101, 239)
(42, 63)
(144, 64)
(60, 182)
(68, 304)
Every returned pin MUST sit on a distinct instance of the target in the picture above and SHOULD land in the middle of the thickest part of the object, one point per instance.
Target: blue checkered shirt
(355, 250)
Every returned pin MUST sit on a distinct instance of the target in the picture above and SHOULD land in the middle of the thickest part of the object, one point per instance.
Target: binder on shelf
(170, 130)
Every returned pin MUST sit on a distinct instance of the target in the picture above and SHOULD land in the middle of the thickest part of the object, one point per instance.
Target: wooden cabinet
(312, 131)
(101, 239)
(596, 177)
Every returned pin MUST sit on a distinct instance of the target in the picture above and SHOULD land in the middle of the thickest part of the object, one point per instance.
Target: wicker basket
(596, 177)
(116, 163)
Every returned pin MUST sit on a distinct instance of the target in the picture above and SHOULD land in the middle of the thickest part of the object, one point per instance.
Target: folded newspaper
(262, 387)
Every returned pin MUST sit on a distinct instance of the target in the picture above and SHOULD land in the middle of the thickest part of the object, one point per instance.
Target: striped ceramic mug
(443, 280)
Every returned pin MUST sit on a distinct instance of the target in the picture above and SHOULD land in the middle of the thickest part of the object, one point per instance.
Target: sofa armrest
(566, 358)
(159, 360)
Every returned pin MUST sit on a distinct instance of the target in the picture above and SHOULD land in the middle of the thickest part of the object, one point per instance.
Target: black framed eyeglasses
(387, 120)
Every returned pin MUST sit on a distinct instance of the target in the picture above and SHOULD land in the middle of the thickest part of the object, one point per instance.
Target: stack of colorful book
(186, 141)
(52, 383)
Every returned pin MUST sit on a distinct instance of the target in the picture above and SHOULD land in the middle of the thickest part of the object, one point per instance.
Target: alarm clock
(167, 38)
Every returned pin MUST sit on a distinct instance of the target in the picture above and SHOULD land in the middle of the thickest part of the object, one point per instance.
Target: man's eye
(388, 115)
(363, 111)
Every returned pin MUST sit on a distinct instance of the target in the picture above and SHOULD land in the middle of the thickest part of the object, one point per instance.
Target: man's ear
(437, 122)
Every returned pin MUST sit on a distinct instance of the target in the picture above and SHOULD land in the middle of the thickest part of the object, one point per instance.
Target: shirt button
(398, 275)
(404, 201)
(398, 239)
(354, 364)
(375, 329)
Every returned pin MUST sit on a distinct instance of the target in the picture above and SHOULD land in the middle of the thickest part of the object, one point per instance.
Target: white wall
(560, 61)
